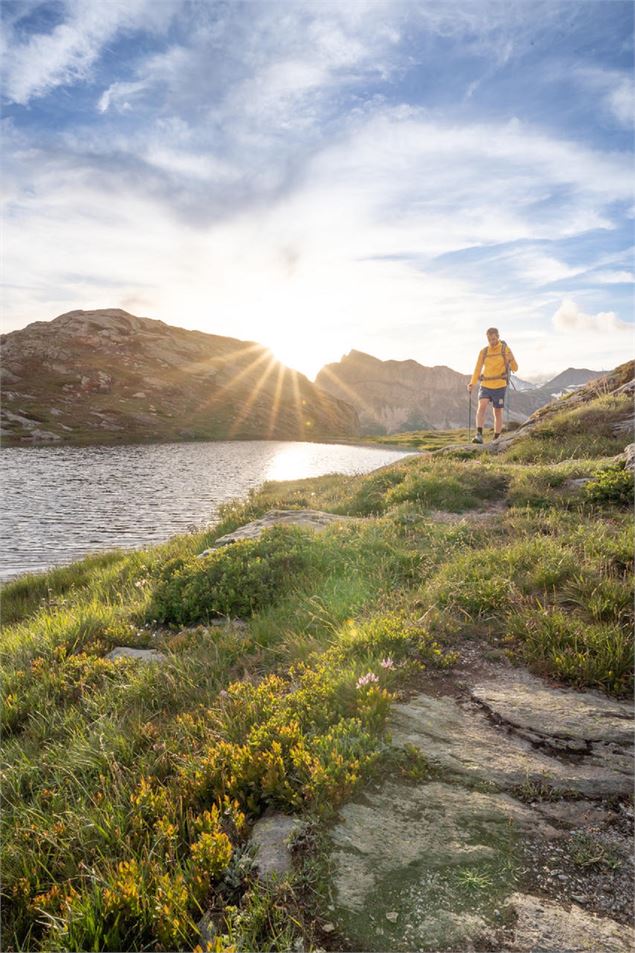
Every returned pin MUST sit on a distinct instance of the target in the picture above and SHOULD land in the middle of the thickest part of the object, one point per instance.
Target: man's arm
(477, 370)
(512, 362)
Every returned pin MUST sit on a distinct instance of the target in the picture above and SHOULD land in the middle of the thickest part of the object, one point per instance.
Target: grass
(130, 789)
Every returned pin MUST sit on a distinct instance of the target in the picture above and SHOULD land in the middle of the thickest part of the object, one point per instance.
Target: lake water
(61, 503)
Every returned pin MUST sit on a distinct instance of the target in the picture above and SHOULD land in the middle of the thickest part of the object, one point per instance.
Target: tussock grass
(130, 789)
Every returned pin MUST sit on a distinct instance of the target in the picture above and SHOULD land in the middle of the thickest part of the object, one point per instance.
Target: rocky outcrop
(518, 793)
(109, 376)
(397, 396)
(550, 928)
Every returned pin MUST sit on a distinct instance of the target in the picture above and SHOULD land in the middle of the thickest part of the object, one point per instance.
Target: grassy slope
(130, 789)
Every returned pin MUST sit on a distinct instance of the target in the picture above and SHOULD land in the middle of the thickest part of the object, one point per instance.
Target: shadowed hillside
(110, 377)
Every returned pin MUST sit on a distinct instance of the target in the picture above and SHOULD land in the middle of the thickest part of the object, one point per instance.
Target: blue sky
(385, 175)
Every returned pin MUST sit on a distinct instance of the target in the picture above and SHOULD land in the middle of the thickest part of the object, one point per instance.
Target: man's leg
(481, 411)
(480, 419)
(498, 419)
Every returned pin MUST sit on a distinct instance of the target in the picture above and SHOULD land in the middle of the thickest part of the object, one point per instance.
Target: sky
(385, 175)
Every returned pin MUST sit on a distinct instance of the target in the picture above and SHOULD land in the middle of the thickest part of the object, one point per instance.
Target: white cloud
(569, 318)
(622, 102)
(67, 54)
(614, 277)
(616, 89)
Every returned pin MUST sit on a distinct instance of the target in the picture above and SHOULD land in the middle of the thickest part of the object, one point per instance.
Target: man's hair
(492, 331)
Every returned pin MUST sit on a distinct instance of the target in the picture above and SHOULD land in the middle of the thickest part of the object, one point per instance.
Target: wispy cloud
(45, 60)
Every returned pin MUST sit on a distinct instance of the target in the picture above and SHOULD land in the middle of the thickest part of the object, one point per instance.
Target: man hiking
(493, 368)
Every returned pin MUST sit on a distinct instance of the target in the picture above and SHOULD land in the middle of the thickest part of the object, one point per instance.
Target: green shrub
(612, 485)
(235, 580)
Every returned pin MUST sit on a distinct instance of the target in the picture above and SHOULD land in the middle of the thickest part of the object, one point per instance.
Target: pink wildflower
(367, 679)
(387, 663)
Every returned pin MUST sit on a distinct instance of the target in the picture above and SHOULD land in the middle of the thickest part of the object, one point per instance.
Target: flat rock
(270, 839)
(310, 519)
(629, 456)
(411, 851)
(462, 741)
(546, 927)
(143, 655)
(558, 715)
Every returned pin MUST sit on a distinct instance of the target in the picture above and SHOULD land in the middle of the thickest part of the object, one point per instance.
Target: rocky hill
(571, 378)
(110, 377)
(391, 396)
(396, 396)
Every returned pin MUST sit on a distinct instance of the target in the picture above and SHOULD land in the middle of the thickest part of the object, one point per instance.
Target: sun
(300, 354)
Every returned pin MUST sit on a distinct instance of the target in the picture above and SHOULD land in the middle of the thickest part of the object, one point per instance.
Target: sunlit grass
(130, 789)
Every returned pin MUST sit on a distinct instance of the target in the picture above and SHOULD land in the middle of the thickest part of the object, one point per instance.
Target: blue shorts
(495, 394)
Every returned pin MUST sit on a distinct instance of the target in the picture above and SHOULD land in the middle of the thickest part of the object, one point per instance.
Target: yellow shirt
(491, 364)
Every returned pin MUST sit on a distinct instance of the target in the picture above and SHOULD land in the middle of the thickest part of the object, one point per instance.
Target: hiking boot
(478, 438)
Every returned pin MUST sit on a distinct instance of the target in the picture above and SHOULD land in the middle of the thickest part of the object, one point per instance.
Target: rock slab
(561, 717)
(545, 927)
(310, 519)
(414, 851)
(462, 741)
(142, 655)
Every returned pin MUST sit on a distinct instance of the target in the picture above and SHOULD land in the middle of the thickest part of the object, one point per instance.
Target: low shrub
(613, 485)
(235, 580)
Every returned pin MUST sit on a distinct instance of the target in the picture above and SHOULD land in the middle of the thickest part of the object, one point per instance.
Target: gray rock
(462, 741)
(629, 456)
(310, 519)
(143, 655)
(270, 839)
(558, 715)
(45, 436)
(624, 427)
(576, 814)
(409, 851)
(578, 482)
(206, 930)
(550, 928)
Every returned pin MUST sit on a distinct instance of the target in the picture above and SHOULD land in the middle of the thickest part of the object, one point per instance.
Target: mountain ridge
(109, 376)
(397, 396)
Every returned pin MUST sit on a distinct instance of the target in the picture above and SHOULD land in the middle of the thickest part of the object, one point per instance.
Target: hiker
(493, 368)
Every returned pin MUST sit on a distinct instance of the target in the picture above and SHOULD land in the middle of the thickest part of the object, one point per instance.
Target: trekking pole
(469, 416)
